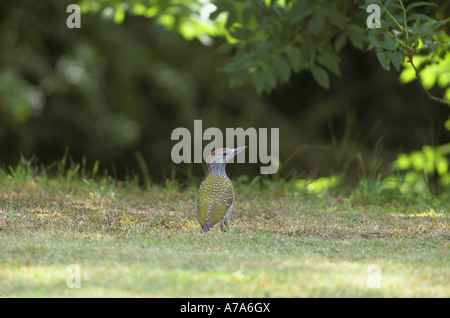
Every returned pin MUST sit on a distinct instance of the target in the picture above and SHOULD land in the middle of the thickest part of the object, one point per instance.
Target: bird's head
(223, 155)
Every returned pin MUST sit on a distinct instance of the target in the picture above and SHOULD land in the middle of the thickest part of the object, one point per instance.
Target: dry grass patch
(130, 242)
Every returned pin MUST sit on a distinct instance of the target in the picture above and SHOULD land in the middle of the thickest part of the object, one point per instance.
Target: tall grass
(370, 187)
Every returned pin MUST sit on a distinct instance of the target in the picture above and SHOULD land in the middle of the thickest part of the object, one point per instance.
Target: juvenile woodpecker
(216, 193)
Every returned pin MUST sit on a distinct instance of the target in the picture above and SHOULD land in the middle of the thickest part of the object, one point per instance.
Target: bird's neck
(217, 168)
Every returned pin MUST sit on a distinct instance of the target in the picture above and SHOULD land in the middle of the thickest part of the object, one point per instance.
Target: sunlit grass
(186, 264)
(130, 242)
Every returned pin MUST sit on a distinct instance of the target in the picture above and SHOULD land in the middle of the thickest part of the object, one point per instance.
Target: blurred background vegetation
(112, 91)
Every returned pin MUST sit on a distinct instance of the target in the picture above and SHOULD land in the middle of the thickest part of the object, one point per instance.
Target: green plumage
(216, 193)
(215, 201)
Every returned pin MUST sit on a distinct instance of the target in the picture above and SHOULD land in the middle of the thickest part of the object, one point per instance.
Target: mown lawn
(127, 242)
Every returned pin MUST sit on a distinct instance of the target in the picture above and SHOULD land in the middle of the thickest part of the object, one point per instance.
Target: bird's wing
(212, 204)
(228, 196)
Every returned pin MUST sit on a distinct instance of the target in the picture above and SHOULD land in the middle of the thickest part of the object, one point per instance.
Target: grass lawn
(114, 240)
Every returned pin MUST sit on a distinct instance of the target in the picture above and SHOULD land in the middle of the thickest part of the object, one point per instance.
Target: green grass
(282, 242)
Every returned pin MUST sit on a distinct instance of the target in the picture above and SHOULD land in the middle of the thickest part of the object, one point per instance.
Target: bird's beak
(235, 152)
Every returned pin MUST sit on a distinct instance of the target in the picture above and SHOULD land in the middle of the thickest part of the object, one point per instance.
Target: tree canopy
(114, 89)
(271, 39)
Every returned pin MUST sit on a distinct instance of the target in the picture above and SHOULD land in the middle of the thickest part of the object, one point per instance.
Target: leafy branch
(415, 33)
(269, 40)
(419, 79)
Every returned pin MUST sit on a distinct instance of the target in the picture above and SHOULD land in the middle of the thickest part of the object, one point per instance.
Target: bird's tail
(207, 227)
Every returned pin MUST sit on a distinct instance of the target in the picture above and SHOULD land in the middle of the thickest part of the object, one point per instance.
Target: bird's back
(216, 196)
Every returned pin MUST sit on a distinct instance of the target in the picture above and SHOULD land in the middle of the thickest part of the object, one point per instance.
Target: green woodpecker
(216, 193)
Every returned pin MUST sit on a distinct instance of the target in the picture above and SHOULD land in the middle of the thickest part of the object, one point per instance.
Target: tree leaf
(356, 35)
(333, 15)
(321, 76)
(317, 22)
(269, 75)
(238, 79)
(376, 44)
(330, 61)
(258, 81)
(282, 67)
(231, 19)
(139, 9)
(396, 59)
(300, 10)
(384, 60)
(389, 43)
(419, 16)
(294, 56)
(340, 41)
(308, 46)
(226, 47)
(119, 16)
(422, 3)
(429, 27)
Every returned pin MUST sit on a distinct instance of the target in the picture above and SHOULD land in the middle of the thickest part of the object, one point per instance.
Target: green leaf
(258, 81)
(417, 4)
(447, 124)
(356, 35)
(387, 3)
(308, 46)
(403, 162)
(330, 61)
(396, 59)
(300, 10)
(340, 41)
(321, 76)
(429, 27)
(294, 56)
(238, 79)
(384, 60)
(226, 47)
(333, 15)
(442, 165)
(119, 16)
(269, 75)
(390, 43)
(376, 44)
(139, 9)
(151, 12)
(231, 19)
(418, 16)
(317, 22)
(282, 67)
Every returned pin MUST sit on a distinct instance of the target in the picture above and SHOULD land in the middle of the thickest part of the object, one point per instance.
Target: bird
(216, 192)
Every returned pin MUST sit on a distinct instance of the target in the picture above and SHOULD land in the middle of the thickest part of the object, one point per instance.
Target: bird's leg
(221, 225)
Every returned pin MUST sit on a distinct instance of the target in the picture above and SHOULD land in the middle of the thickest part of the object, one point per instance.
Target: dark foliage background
(107, 92)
